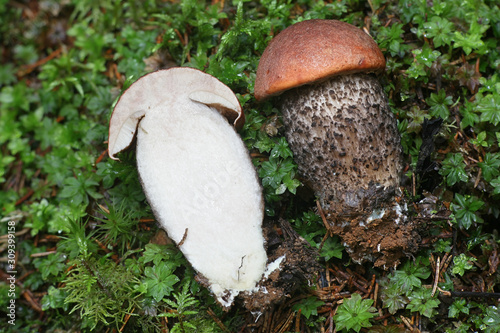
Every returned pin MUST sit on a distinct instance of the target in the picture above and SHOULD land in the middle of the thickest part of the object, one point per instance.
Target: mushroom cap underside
(167, 87)
(315, 50)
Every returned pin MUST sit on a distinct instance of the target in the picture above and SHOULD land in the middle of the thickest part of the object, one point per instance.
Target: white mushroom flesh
(197, 175)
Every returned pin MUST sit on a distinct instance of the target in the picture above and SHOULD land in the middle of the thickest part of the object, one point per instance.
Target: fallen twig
(468, 294)
(30, 68)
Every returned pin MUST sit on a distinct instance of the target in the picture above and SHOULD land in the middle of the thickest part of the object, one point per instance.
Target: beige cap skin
(315, 50)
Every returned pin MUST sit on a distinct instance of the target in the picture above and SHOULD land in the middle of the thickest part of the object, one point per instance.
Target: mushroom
(342, 132)
(196, 173)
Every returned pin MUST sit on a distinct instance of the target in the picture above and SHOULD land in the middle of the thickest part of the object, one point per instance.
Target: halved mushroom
(196, 173)
(342, 132)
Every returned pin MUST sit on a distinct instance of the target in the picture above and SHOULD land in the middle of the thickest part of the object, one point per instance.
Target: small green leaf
(308, 307)
(489, 107)
(439, 104)
(458, 307)
(491, 320)
(54, 299)
(411, 275)
(462, 263)
(157, 253)
(490, 166)
(469, 115)
(472, 40)
(453, 167)
(354, 314)
(464, 209)
(78, 190)
(160, 280)
(439, 29)
(392, 296)
(422, 301)
(51, 265)
(332, 248)
(417, 117)
(496, 185)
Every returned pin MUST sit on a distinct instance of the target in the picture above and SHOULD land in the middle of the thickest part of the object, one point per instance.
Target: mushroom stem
(347, 146)
(345, 141)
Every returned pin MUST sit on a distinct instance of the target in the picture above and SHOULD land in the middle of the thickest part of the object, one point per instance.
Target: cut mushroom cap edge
(147, 92)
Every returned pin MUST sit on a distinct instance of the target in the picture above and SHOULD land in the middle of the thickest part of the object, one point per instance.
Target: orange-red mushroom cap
(315, 50)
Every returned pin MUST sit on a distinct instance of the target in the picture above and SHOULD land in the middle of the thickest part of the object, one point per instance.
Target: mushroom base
(292, 262)
(347, 146)
(383, 238)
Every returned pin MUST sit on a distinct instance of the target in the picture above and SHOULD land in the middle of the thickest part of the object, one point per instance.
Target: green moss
(64, 65)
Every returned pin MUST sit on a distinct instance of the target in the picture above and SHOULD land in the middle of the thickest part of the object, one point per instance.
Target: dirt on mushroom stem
(347, 146)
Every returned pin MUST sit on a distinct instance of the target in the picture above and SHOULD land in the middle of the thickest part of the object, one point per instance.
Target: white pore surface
(198, 176)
